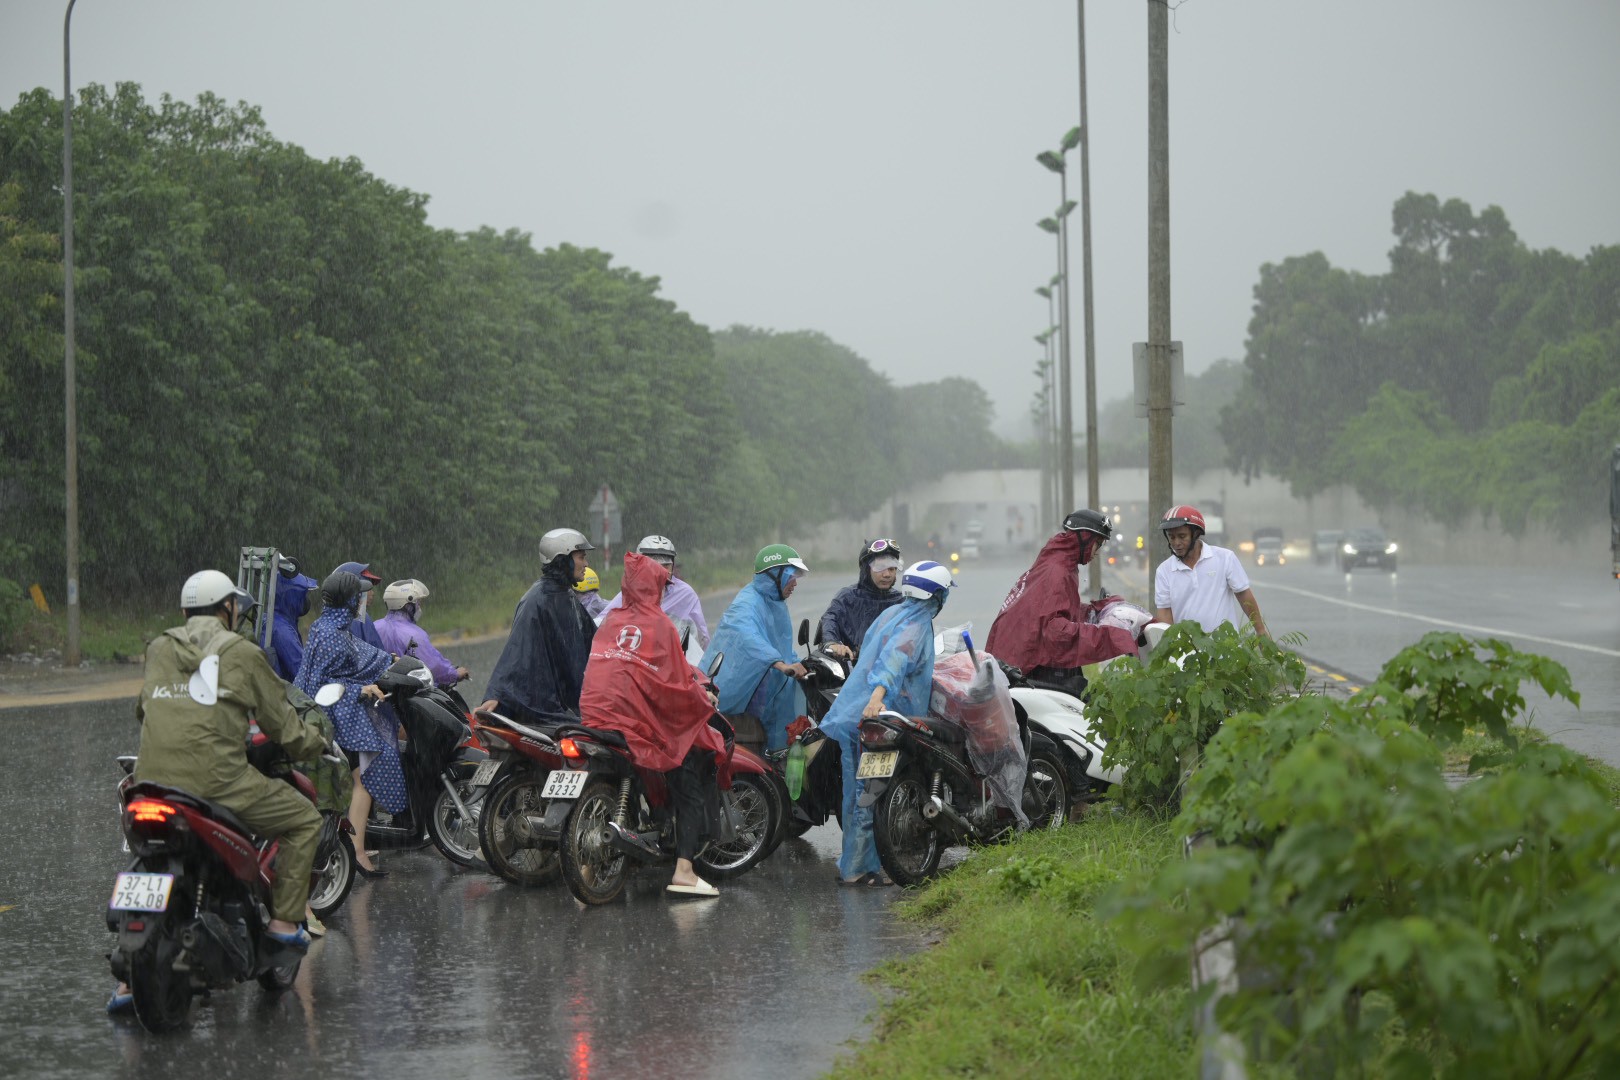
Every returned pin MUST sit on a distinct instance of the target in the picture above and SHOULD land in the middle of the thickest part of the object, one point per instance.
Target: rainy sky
(866, 169)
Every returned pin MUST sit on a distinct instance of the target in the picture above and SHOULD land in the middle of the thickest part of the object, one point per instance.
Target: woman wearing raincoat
(292, 604)
(333, 654)
(895, 672)
(639, 684)
(756, 635)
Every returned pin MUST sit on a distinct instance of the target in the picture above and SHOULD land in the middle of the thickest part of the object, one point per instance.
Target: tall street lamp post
(70, 402)
(1093, 483)
(1056, 162)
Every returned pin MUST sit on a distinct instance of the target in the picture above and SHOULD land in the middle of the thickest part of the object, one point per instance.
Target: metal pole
(1161, 493)
(1093, 481)
(1052, 411)
(70, 402)
(1065, 383)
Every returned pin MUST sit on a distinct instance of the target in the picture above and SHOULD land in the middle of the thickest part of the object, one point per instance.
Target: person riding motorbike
(402, 635)
(680, 601)
(542, 665)
(292, 604)
(857, 606)
(368, 736)
(757, 688)
(588, 591)
(1042, 626)
(194, 728)
(638, 684)
(895, 671)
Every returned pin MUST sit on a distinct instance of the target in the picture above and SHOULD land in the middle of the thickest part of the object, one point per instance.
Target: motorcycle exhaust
(936, 808)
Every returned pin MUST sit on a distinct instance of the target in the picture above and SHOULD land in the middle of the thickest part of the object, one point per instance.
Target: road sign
(607, 527)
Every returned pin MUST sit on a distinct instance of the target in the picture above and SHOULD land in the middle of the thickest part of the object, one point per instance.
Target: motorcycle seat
(607, 738)
(947, 731)
(218, 812)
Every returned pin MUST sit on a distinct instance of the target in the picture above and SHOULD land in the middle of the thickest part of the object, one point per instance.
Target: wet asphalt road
(435, 970)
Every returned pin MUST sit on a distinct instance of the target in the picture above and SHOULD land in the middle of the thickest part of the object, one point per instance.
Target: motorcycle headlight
(1390, 550)
(1349, 549)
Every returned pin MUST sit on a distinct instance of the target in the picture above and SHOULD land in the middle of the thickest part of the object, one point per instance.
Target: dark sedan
(1367, 547)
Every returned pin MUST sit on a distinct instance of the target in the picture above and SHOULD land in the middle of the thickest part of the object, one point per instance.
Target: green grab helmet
(774, 555)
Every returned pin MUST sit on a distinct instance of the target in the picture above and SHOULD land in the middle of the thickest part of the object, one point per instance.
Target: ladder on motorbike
(258, 571)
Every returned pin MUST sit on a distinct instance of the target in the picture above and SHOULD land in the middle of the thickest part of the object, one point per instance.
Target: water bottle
(795, 770)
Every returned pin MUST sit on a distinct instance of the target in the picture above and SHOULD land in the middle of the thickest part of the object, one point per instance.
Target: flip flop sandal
(120, 1003)
(871, 880)
(702, 888)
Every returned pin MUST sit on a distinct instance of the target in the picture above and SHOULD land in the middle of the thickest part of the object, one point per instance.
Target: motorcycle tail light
(150, 810)
(878, 735)
(570, 749)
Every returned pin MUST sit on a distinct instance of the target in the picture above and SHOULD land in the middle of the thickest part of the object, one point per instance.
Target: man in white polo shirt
(1200, 581)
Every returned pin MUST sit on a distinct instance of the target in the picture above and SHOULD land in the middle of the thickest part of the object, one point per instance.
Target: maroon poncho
(1042, 623)
(638, 682)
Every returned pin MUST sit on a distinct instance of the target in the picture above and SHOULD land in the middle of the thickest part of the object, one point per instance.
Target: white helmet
(206, 588)
(925, 579)
(658, 547)
(563, 542)
(400, 593)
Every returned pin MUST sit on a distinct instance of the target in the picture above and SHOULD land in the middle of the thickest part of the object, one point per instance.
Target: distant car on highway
(970, 547)
(1325, 545)
(1268, 547)
(1367, 546)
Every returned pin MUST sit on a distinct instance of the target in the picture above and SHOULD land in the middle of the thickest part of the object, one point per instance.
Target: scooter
(513, 832)
(439, 757)
(820, 781)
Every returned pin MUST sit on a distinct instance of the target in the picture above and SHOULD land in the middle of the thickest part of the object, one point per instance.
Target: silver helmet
(563, 542)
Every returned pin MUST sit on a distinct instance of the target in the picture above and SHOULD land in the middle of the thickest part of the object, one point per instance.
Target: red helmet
(1183, 515)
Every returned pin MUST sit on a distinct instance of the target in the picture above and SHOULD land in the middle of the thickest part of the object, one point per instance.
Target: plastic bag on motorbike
(952, 640)
(979, 700)
(1117, 612)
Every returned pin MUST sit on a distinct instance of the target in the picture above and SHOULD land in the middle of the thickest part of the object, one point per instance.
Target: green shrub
(15, 611)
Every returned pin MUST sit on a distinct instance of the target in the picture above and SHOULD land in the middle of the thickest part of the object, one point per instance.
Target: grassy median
(1027, 980)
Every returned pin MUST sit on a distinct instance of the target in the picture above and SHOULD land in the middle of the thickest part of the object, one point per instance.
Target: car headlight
(1390, 550)
(1349, 549)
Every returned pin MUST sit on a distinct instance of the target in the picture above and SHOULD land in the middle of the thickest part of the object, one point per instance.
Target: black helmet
(1091, 521)
(871, 549)
(341, 589)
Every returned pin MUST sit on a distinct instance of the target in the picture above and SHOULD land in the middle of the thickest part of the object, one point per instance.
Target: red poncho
(1042, 623)
(638, 682)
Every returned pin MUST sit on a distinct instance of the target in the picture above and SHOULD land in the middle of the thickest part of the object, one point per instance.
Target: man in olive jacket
(200, 745)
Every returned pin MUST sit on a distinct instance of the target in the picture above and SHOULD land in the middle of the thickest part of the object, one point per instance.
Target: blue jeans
(860, 851)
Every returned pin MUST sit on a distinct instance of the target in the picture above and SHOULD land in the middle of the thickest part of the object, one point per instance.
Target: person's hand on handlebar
(839, 649)
(795, 670)
(462, 674)
(372, 691)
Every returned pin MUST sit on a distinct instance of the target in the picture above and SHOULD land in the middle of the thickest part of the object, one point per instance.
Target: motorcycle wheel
(527, 866)
(755, 802)
(781, 812)
(1046, 785)
(332, 878)
(162, 994)
(908, 846)
(594, 869)
(456, 837)
(277, 979)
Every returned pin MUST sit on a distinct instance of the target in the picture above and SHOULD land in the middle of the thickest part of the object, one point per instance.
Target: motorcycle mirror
(804, 631)
(686, 638)
(714, 665)
(329, 695)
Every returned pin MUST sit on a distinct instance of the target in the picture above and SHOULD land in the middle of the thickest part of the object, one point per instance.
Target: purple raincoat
(680, 601)
(403, 637)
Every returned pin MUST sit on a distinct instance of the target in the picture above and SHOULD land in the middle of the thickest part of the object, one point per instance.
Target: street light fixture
(1054, 161)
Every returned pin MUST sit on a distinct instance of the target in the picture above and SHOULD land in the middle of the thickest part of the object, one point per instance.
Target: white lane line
(1447, 623)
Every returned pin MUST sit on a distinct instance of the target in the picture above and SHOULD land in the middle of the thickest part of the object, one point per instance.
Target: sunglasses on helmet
(875, 547)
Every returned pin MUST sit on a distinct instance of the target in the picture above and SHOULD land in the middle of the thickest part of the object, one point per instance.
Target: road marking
(1449, 624)
(7, 907)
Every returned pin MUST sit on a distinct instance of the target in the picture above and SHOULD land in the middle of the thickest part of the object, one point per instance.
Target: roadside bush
(15, 611)
(1385, 920)
(1157, 717)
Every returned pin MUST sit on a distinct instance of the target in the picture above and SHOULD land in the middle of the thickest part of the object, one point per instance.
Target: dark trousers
(695, 799)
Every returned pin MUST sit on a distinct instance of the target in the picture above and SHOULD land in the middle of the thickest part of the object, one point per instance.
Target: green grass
(1028, 980)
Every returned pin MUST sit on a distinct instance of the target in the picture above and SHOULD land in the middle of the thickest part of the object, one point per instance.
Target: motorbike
(518, 839)
(821, 780)
(191, 911)
(439, 759)
(927, 796)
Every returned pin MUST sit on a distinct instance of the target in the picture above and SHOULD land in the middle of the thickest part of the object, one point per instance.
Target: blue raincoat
(754, 633)
(333, 654)
(292, 604)
(898, 655)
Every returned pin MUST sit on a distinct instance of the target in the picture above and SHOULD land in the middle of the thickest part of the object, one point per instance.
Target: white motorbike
(1063, 717)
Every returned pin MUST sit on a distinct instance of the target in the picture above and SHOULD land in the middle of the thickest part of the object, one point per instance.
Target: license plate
(564, 784)
(485, 774)
(876, 764)
(141, 892)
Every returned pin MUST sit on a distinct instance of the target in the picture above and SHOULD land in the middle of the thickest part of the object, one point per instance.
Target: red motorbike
(515, 831)
(614, 813)
(192, 910)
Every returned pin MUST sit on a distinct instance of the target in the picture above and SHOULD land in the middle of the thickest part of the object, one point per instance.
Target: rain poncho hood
(403, 636)
(543, 664)
(680, 602)
(1042, 623)
(855, 608)
(754, 633)
(292, 604)
(638, 682)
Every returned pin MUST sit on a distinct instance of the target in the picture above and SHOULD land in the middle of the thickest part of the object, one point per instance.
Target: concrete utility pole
(70, 401)
(1093, 486)
(1161, 493)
